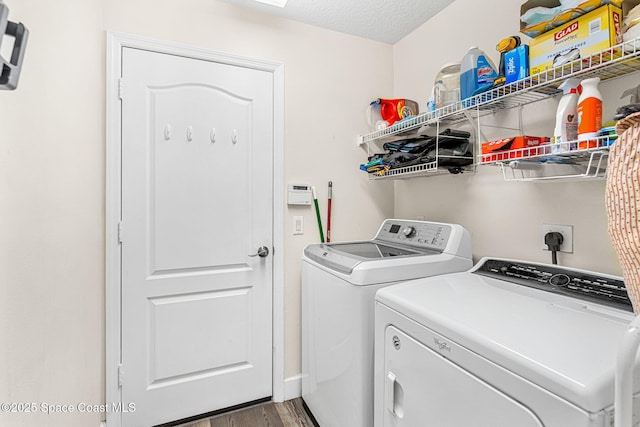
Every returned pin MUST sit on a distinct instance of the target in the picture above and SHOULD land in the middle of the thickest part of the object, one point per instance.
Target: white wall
(505, 217)
(52, 215)
(52, 167)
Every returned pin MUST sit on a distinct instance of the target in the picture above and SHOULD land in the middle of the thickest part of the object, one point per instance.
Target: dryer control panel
(426, 235)
(575, 283)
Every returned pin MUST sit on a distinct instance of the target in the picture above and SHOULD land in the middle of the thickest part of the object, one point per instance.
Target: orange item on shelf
(589, 113)
(514, 148)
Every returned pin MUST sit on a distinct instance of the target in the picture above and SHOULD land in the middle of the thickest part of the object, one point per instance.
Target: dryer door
(423, 388)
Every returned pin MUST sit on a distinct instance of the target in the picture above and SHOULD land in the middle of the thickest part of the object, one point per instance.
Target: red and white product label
(616, 25)
(566, 31)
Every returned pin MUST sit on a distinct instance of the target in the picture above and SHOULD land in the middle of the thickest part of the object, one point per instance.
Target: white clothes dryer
(339, 282)
(506, 344)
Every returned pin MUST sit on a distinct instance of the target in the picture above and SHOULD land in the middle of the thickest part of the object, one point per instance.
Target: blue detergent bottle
(477, 73)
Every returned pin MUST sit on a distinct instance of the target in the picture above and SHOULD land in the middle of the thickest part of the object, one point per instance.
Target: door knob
(263, 252)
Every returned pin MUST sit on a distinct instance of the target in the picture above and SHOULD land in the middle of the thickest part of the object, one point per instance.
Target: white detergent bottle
(589, 113)
(566, 118)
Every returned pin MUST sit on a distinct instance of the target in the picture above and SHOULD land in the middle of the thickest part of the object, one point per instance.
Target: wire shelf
(608, 64)
(594, 168)
(572, 160)
(423, 169)
(617, 61)
(559, 153)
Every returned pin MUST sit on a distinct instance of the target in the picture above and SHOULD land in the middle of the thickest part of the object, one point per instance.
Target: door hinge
(121, 88)
(120, 232)
(120, 375)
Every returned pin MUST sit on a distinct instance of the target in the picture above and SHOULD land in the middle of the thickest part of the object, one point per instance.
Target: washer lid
(373, 250)
(344, 257)
(565, 345)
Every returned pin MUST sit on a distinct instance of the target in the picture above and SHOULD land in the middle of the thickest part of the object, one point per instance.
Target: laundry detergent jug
(392, 110)
(477, 73)
(566, 128)
(447, 85)
(589, 113)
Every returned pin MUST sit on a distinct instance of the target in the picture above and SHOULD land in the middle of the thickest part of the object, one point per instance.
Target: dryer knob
(560, 280)
(409, 231)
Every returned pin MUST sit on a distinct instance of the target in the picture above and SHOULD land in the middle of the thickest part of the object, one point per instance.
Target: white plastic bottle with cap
(589, 113)
(566, 117)
(447, 86)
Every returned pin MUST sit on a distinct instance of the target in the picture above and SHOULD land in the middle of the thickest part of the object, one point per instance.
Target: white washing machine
(339, 282)
(509, 343)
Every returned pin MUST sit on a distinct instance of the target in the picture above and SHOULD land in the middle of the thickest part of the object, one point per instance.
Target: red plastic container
(392, 110)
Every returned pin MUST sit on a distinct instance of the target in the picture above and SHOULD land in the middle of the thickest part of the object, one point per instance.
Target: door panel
(176, 356)
(424, 388)
(197, 141)
(182, 201)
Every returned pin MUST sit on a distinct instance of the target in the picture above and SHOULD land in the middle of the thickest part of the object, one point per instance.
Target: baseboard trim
(293, 387)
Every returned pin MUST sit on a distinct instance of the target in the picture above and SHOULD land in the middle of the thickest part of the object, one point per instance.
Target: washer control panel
(575, 283)
(427, 235)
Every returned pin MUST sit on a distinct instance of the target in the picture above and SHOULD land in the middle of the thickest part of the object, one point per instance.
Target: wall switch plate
(567, 235)
(298, 225)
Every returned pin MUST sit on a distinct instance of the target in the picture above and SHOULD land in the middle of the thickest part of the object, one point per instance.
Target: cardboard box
(627, 5)
(591, 33)
(516, 63)
(558, 15)
(514, 148)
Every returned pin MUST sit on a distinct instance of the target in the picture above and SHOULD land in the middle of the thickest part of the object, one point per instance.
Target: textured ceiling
(386, 21)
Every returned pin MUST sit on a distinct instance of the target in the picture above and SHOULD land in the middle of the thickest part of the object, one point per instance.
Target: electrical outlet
(567, 235)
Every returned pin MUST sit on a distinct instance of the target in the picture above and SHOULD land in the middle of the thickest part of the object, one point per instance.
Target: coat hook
(167, 132)
(234, 136)
(212, 135)
(190, 133)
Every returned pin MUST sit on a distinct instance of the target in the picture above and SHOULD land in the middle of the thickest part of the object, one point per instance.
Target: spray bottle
(589, 113)
(566, 118)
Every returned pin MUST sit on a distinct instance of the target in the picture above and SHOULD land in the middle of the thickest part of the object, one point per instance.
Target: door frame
(115, 43)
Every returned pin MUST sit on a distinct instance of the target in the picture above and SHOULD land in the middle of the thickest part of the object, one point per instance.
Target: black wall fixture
(11, 67)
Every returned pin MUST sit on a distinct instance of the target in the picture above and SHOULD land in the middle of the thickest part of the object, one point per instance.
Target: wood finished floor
(287, 414)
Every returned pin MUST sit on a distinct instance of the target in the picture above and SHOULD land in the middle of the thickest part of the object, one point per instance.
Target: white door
(197, 190)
